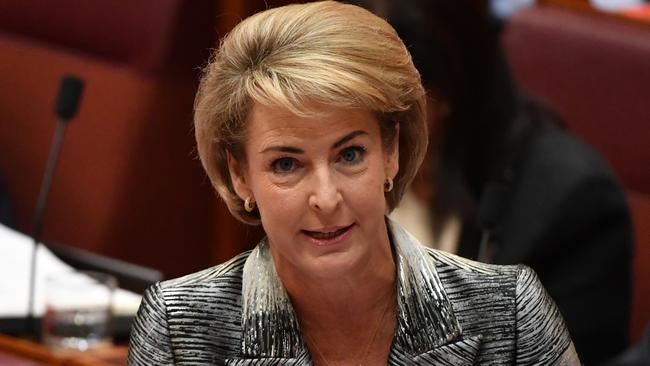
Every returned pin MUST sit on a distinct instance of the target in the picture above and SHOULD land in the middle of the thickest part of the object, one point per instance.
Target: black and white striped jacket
(451, 311)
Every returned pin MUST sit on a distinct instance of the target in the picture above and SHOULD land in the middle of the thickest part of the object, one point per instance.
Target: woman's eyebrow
(284, 149)
(295, 150)
(348, 137)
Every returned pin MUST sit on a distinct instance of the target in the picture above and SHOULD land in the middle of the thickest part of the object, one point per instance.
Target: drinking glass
(78, 310)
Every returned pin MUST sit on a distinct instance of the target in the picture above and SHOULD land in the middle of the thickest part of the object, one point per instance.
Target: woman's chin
(335, 264)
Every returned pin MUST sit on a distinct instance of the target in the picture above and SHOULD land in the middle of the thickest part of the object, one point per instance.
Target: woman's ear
(392, 155)
(238, 177)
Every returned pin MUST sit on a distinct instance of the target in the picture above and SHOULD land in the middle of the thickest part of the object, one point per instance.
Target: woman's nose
(325, 195)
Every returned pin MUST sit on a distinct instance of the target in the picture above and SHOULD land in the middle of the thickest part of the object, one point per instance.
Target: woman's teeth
(325, 236)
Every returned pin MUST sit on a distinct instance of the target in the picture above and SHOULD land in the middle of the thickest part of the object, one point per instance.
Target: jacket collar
(427, 328)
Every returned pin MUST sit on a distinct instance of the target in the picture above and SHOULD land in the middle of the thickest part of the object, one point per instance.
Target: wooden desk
(21, 352)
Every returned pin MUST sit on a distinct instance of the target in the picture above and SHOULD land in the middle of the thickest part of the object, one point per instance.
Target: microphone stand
(65, 108)
(43, 194)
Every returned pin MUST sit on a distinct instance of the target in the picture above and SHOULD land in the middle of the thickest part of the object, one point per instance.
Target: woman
(310, 120)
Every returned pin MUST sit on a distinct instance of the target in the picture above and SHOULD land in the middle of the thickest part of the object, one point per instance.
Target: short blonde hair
(292, 56)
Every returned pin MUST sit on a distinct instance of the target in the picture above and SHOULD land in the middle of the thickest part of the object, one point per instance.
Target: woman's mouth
(328, 236)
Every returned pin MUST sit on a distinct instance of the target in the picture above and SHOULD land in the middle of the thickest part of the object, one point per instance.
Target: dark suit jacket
(565, 216)
(450, 311)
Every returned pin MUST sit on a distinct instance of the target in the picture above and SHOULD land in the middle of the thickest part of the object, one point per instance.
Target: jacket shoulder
(191, 319)
(508, 307)
(222, 273)
(446, 262)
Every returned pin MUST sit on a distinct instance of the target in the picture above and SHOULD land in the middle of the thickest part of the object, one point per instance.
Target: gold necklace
(368, 345)
(320, 354)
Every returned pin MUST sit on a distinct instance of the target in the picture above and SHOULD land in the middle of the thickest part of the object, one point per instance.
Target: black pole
(65, 108)
(43, 194)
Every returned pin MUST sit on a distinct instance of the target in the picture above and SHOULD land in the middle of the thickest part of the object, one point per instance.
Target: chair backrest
(640, 210)
(595, 70)
(140, 34)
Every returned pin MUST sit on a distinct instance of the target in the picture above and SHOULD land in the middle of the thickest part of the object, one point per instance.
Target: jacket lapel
(269, 324)
(425, 316)
(427, 329)
(460, 352)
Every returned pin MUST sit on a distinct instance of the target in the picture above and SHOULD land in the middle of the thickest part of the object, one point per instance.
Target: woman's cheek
(365, 193)
(280, 201)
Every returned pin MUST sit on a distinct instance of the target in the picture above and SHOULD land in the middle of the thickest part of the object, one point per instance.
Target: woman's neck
(342, 295)
(347, 315)
(349, 297)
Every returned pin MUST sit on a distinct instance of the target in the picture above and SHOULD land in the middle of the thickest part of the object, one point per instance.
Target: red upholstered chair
(640, 209)
(595, 70)
(127, 184)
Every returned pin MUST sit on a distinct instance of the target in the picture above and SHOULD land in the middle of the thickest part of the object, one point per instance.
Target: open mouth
(328, 235)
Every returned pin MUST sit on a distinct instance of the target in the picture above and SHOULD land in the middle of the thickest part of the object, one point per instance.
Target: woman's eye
(352, 154)
(284, 165)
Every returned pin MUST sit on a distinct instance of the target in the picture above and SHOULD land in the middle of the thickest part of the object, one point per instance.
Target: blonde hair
(292, 56)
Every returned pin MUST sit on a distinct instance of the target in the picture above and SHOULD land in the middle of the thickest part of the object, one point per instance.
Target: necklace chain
(366, 352)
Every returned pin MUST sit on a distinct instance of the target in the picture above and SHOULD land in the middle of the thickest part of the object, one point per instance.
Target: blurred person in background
(505, 183)
(310, 120)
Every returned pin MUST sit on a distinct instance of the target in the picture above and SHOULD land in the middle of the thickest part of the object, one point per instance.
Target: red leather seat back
(595, 70)
(640, 209)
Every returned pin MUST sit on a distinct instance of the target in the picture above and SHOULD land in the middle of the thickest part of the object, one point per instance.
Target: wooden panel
(21, 352)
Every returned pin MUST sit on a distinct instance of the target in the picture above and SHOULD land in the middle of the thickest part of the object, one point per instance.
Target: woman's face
(319, 186)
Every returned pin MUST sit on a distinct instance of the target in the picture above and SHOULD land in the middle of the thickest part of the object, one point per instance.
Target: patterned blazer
(451, 311)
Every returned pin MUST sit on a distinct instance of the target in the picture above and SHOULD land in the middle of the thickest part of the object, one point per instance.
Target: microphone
(65, 108)
(67, 102)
